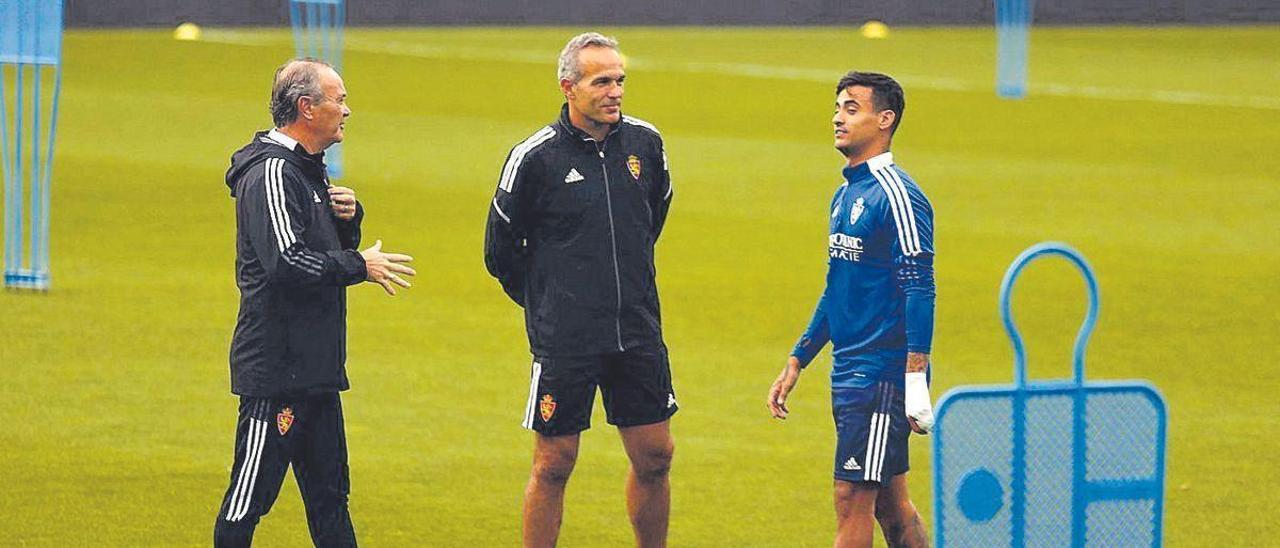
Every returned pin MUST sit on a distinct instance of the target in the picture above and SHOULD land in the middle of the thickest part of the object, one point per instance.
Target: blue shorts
(871, 432)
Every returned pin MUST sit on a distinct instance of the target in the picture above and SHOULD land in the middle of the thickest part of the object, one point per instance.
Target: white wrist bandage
(919, 406)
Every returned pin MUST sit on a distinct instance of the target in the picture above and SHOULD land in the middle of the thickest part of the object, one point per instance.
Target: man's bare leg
(650, 449)
(855, 511)
(898, 517)
(553, 460)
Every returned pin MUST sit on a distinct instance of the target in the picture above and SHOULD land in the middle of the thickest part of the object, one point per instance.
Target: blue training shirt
(879, 299)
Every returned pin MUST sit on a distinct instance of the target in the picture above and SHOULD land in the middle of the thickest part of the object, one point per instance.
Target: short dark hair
(886, 94)
(295, 79)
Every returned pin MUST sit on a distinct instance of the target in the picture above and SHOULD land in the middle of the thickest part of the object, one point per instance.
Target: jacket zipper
(613, 239)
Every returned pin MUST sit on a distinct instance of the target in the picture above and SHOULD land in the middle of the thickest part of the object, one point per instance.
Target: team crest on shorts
(547, 407)
(633, 165)
(284, 419)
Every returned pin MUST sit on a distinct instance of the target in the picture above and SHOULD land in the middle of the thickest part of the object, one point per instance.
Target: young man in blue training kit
(877, 311)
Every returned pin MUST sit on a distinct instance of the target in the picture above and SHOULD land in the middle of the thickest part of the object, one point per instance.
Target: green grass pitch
(1152, 150)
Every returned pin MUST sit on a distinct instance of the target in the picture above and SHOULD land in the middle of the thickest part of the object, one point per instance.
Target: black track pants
(271, 435)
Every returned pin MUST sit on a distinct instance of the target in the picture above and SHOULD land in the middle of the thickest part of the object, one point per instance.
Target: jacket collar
(312, 164)
(575, 131)
(874, 163)
(275, 136)
(283, 140)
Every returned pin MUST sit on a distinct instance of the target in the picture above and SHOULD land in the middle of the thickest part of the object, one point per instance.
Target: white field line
(773, 72)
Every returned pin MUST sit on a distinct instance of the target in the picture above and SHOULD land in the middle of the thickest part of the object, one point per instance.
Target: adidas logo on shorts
(852, 464)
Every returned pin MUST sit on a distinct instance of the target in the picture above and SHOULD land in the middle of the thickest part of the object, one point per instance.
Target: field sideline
(1151, 150)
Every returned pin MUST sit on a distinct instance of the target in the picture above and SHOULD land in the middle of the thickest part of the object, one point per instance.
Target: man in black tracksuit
(570, 236)
(296, 239)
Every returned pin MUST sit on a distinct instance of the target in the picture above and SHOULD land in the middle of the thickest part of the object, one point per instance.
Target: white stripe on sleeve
(638, 122)
(268, 185)
(910, 211)
(281, 202)
(895, 204)
(517, 157)
(280, 222)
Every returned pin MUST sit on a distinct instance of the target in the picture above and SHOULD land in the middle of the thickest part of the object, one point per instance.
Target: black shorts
(636, 386)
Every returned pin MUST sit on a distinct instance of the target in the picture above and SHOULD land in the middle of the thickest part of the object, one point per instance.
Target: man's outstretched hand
(385, 269)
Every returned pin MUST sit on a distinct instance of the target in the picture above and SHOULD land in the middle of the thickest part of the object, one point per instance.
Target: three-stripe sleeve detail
(272, 168)
(638, 122)
(509, 170)
(910, 211)
(282, 224)
(532, 405)
(900, 203)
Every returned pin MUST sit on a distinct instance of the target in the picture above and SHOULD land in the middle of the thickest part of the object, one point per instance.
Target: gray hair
(569, 69)
(295, 79)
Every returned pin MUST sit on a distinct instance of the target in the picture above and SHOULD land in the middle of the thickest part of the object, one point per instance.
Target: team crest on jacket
(633, 165)
(856, 211)
(547, 407)
(284, 419)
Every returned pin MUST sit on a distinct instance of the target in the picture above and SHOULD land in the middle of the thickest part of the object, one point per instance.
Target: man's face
(329, 113)
(857, 122)
(598, 94)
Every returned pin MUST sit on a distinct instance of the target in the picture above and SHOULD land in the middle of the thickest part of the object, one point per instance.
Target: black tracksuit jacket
(294, 259)
(571, 234)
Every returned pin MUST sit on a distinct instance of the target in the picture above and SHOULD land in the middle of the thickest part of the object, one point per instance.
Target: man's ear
(304, 107)
(566, 88)
(886, 118)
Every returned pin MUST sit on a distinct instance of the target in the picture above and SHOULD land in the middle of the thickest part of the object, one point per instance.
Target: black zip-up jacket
(294, 259)
(571, 235)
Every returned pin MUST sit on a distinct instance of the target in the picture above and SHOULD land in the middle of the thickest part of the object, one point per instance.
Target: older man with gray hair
(570, 236)
(296, 238)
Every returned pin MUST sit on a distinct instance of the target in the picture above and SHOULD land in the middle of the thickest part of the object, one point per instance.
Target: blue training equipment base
(1050, 463)
(30, 82)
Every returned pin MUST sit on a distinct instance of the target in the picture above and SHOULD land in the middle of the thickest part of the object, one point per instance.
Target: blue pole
(325, 31)
(17, 165)
(318, 33)
(296, 19)
(39, 238)
(1161, 439)
(47, 184)
(1018, 471)
(10, 178)
(313, 42)
(36, 194)
(341, 10)
(1013, 20)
